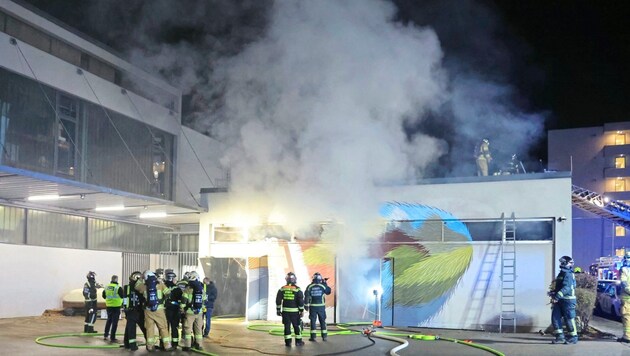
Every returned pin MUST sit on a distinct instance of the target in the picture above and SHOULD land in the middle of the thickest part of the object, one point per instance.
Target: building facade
(598, 160)
(92, 155)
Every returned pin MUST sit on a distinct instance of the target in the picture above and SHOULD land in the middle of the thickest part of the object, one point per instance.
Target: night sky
(568, 60)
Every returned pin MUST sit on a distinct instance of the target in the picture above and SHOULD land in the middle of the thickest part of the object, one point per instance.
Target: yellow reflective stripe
(318, 305)
(290, 309)
(287, 336)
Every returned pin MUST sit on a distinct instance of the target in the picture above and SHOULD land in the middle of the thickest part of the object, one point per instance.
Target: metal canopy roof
(78, 198)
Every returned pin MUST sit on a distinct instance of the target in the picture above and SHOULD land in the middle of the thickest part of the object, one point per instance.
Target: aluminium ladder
(508, 272)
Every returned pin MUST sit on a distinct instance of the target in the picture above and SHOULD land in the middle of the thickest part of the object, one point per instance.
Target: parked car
(609, 298)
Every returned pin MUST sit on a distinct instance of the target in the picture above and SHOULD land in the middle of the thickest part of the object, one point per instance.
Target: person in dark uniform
(89, 294)
(133, 303)
(315, 304)
(290, 306)
(172, 306)
(210, 290)
(113, 296)
(564, 303)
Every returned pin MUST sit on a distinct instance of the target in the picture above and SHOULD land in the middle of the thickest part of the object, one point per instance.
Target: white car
(609, 298)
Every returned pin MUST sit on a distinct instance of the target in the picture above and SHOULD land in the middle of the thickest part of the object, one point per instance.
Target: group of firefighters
(291, 303)
(154, 299)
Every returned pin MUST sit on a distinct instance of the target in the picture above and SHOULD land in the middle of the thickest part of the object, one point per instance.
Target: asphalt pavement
(232, 337)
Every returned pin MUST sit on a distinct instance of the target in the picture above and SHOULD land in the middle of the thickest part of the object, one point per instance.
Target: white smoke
(314, 111)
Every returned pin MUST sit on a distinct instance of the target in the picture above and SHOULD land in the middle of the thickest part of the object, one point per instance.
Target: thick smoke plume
(316, 102)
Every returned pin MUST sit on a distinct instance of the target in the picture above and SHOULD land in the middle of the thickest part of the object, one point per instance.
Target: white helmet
(148, 274)
(194, 276)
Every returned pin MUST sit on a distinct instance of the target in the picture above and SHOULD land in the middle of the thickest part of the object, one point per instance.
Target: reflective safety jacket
(625, 284)
(162, 292)
(89, 290)
(113, 295)
(132, 299)
(315, 295)
(565, 284)
(290, 299)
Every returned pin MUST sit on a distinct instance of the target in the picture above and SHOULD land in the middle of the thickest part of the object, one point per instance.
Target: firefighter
(172, 306)
(564, 303)
(154, 294)
(192, 305)
(483, 157)
(89, 294)
(290, 306)
(625, 298)
(133, 303)
(315, 304)
(113, 296)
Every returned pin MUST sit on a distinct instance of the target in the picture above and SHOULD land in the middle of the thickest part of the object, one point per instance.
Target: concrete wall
(37, 278)
(191, 174)
(547, 197)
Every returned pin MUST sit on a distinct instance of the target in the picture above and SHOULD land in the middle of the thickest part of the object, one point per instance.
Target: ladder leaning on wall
(508, 272)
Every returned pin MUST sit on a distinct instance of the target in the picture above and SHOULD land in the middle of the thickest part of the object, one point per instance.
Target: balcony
(613, 172)
(616, 150)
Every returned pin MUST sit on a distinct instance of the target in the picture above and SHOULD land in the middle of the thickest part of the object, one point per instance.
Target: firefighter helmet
(170, 275)
(159, 273)
(317, 278)
(134, 276)
(193, 276)
(566, 262)
(148, 274)
(291, 278)
(91, 275)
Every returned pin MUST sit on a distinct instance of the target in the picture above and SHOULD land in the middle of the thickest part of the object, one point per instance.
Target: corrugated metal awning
(17, 185)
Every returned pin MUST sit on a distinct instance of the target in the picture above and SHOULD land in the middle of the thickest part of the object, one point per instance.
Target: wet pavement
(231, 337)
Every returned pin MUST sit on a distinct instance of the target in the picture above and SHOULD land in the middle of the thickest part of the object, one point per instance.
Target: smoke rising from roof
(317, 101)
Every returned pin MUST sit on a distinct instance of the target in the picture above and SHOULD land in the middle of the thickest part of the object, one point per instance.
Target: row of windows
(421, 230)
(41, 228)
(62, 50)
(48, 131)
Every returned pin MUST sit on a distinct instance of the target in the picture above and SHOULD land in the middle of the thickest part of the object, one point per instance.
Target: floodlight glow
(606, 199)
(110, 208)
(152, 215)
(43, 197)
(376, 290)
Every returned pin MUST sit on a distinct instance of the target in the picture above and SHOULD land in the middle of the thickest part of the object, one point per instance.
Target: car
(609, 298)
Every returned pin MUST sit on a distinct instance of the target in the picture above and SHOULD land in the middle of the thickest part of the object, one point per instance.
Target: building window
(620, 162)
(620, 231)
(620, 185)
(620, 138)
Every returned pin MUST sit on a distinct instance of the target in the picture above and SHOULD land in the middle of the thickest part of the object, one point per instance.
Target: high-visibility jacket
(625, 284)
(315, 294)
(290, 299)
(565, 284)
(113, 295)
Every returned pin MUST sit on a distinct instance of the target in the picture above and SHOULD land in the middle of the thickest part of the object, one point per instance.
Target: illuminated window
(620, 231)
(620, 139)
(620, 252)
(620, 162)
(620, 185)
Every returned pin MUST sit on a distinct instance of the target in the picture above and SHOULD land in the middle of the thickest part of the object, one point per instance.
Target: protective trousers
(151, 320)
(482, 166)
(316, 313)
(564, 308)
(134, 318)
(291, 319)
(113, 314)
(90, 316)
(192, 322)
(172, 317)
(625, 318)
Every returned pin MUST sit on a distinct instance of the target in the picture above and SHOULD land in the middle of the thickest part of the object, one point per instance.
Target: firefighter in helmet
(315, 304)
(564, 302)
(89, 294)
(290, 306)
(483, 157)
(625, 298)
